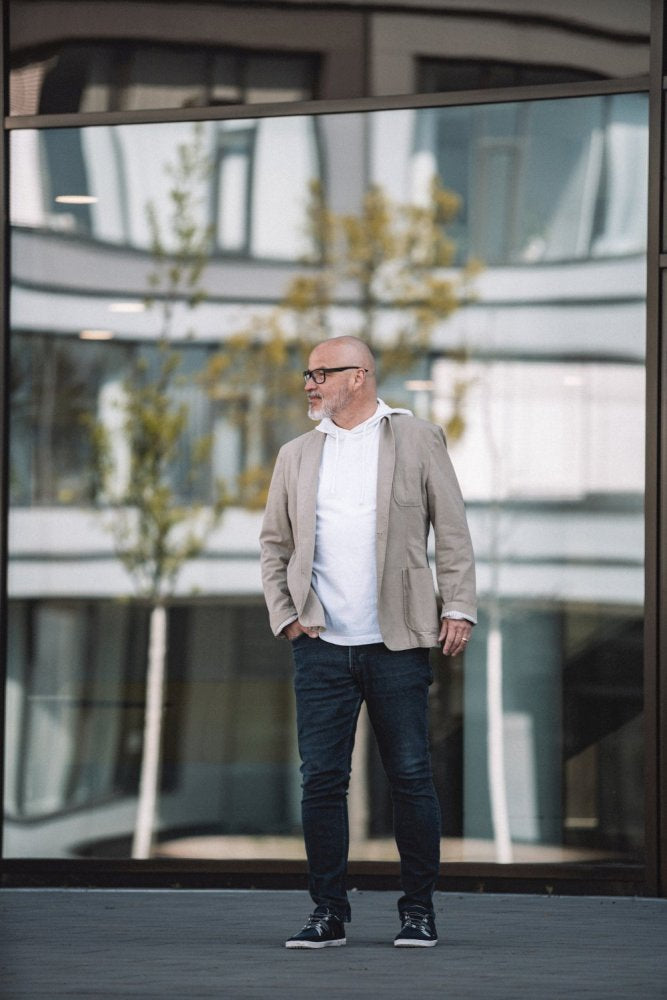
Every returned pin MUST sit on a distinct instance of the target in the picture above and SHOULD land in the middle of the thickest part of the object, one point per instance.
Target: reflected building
(85, 56)
(537, 369)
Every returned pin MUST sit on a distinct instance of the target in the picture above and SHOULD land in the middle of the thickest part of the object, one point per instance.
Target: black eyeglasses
(319, 375)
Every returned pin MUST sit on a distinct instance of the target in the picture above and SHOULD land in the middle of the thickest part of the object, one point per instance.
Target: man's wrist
(283, 625)
(458, 616)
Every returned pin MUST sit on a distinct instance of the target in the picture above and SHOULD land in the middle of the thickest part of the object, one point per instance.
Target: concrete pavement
(230, 944)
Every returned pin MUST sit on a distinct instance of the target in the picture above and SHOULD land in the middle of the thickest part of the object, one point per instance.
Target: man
(347, 581)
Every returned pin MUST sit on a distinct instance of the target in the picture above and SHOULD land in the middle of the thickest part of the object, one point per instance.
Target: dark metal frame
(4, 376)
(655, 664)
(539, 879)
(504, 95)
(604, 879)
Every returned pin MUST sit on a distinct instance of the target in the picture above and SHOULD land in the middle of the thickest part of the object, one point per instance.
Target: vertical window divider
(4, 379)
(655, 668)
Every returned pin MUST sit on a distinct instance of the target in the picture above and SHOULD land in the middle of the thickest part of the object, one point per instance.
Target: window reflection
(532, 359)
(77, 703)
(587, 153)
(255, 171)
(131, 75)
(440, 75)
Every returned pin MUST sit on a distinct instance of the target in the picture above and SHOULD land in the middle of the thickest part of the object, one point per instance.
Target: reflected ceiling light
(96, 334)
(76, 199)
(419, 385)
(127, 307)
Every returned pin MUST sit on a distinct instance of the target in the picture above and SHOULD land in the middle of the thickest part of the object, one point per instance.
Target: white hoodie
(344, 573)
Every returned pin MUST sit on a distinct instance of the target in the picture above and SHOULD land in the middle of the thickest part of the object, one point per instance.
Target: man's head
(347, 396)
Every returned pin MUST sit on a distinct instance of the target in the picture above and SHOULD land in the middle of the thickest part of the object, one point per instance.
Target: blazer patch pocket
(419, 601)
(408, 489)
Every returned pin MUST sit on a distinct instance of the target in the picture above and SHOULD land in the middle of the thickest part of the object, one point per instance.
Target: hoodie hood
(327, 426)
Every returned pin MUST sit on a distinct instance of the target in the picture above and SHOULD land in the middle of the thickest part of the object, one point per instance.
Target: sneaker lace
(415, 921)
(320, 921)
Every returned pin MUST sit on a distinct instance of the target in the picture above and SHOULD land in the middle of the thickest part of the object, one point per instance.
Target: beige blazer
(416, 487)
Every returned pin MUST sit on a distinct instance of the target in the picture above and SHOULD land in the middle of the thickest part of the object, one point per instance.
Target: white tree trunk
(358, 791)
(496, 746)
(149, 780)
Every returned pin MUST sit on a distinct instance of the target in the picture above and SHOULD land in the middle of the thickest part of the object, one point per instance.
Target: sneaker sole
(316, 944)
(415, 944)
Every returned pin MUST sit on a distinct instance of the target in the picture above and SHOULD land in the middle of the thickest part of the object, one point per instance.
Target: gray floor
(184, 944)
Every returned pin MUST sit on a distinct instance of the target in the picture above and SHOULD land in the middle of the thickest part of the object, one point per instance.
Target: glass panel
(496, 263)
(78, 55)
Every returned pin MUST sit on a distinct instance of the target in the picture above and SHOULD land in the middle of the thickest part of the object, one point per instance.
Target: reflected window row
(230, 769)
(71, 56)
(253, 184)
(62, 386)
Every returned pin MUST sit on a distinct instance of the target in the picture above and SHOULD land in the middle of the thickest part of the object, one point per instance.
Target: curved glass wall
(168, 279)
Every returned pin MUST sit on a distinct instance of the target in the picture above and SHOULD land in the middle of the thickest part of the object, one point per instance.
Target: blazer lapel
(386, 462)
(306, 500)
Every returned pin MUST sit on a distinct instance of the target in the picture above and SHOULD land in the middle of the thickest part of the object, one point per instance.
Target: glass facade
(494, 255)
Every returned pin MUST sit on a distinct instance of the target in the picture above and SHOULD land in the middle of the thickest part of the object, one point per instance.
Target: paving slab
(184, 944)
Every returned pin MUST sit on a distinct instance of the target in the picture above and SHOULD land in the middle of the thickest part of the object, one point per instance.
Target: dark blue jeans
(330, 684)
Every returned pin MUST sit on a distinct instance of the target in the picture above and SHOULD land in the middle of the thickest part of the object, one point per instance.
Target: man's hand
(295, 628)
(454, 635)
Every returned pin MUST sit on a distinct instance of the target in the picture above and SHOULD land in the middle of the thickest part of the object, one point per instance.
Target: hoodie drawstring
(364, 449)
(334, 476)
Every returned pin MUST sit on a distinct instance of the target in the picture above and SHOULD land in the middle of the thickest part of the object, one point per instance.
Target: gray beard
(330, 409)
(322, 410)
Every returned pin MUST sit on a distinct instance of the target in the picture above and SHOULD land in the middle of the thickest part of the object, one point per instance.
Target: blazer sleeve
(454, 557)
(276, 541)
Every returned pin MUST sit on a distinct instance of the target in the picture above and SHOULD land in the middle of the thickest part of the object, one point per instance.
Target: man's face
(334, 394)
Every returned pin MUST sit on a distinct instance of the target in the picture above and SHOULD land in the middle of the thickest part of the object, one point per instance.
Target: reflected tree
(154, 531)
(495, 713)
(394, 262)
(50, 397)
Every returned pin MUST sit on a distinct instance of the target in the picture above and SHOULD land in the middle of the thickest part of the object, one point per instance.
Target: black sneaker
(418, 930)
(323, 930)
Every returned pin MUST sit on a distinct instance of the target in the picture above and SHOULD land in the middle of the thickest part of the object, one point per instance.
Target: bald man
(347, 581)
